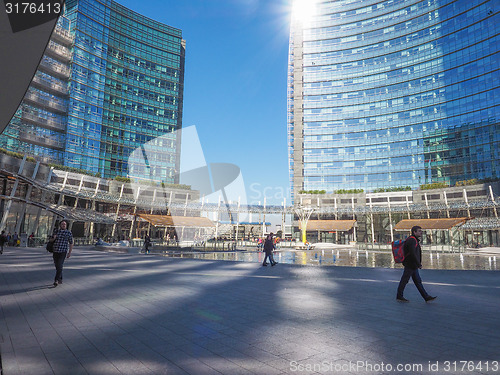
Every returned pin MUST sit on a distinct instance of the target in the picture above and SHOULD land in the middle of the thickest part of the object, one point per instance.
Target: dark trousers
(270, 256)
(58, 262)
(413, 273)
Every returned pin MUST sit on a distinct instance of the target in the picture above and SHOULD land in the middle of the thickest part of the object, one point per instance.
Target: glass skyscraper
(39, 124)
(123, 88)
(393, 93)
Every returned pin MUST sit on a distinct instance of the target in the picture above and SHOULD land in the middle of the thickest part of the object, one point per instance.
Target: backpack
(398, 250)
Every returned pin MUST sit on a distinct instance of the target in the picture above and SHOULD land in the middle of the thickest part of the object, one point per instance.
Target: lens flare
(303, 10)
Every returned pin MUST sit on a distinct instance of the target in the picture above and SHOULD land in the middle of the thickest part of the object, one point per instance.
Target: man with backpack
(412, 262)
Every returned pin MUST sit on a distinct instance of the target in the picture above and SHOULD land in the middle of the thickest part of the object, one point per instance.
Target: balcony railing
(43, 122)
(62, 36)
(53, 87)
(29, 137)
(37, 99)
(59, 51)
(58, 69)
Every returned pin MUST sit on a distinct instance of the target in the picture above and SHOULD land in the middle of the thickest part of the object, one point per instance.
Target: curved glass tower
(111, 81)
(393, 93)
(126, 90)
(39, 124)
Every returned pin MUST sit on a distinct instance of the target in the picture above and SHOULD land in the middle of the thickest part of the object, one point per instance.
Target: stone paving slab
(145, 314)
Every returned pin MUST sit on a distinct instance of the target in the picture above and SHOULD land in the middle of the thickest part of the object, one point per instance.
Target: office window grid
(396, 105)
(127, 87)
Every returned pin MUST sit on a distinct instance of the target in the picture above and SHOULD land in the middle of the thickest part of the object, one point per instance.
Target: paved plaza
(146, 314)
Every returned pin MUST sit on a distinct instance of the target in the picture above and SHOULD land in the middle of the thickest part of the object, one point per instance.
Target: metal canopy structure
(79, 214)
(482, 223)
(430, 224)
(330, 225)
(177, 221)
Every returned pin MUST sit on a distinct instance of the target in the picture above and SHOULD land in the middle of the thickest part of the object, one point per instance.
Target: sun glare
(303, 10)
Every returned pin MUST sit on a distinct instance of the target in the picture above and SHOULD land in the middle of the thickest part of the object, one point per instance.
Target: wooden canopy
(330, 225)
(177, 221)
(442, 224)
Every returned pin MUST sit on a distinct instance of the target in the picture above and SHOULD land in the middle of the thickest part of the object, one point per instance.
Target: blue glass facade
(126, 90)
(394, 93)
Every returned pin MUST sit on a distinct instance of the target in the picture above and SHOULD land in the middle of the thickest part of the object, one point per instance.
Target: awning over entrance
(177, 221)
(330, 225)
(442, 224)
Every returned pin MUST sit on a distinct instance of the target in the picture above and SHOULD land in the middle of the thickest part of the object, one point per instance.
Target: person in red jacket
(412, 263)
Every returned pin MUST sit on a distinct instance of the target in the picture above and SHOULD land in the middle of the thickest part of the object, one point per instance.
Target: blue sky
(235, 83)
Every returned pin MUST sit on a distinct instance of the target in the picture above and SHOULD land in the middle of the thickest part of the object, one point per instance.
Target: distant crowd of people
(9, 239)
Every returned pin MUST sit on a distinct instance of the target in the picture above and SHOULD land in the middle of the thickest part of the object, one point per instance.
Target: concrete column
(217, 220)
(36, 223)
(264, 219)
(371, 217)
(407, 206)
(467, 202)
(427, 206)
(238, 219)
(151, 211)
(132, 225)
(336, 218)
(12, 195)
(283, 219)
(91, 224)
(390, 218)
(354, 218)
(117, 211)
(493, 200)
(446, 203)
(26, 199)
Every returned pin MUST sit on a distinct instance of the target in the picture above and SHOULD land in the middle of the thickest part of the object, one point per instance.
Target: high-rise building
(111, 80)
(393, 93)
(39, 125)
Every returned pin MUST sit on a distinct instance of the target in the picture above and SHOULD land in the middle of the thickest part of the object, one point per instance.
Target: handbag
(50, 246)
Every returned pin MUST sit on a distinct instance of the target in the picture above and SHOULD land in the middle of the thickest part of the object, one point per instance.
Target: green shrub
(398, 188)
(312, 191)
(348, 191)
(74, 170)
(473, 181)
(121, 179)
(434, 185)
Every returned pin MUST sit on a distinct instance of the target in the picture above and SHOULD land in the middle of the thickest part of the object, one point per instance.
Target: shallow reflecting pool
(351, 258)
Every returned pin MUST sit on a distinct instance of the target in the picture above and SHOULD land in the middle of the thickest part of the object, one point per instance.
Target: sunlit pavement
(144, 314)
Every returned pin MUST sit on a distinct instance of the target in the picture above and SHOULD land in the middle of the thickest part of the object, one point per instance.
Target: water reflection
(351, 258)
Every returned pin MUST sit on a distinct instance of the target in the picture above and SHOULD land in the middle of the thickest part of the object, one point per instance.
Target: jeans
(58, 262)
(271, 258)
(413, 273)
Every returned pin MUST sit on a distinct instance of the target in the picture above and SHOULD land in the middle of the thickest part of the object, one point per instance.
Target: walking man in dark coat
(268, 248)
(412, 263)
